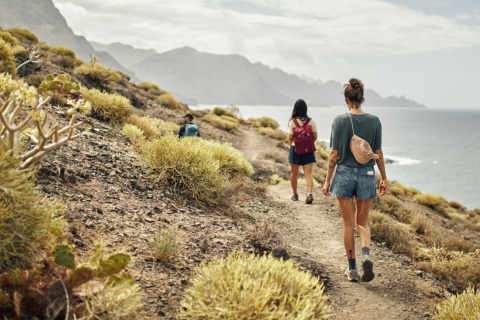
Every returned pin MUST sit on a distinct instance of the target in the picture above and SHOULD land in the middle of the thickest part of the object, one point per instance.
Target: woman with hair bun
(354, 184)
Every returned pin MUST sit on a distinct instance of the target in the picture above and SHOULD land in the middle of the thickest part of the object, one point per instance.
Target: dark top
(367, 126)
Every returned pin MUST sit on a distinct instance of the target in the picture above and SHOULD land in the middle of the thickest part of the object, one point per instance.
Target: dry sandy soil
(109, 197)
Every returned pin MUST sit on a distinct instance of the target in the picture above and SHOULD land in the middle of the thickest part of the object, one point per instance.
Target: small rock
(47, 189)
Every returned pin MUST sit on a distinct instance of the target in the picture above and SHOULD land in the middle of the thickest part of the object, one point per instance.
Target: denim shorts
(352, 181)
(300, 160)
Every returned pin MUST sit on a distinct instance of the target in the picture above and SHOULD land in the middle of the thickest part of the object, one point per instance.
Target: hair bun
(356, 84)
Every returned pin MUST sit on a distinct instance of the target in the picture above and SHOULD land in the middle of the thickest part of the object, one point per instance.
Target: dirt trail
(399, 291)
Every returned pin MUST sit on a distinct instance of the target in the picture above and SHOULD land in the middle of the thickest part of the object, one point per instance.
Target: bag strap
(351, 122)
(298, 125)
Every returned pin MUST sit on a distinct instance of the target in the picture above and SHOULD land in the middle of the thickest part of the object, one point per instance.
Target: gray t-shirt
(367, 126)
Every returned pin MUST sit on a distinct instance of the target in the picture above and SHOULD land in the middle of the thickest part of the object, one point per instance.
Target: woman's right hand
(326, 188)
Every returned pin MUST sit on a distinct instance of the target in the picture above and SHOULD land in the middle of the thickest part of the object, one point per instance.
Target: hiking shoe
(295, 197)
(352, 275)
(367, 266)
(309, 198)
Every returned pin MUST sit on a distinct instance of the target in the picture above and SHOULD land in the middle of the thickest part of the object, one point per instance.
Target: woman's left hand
(382, 188)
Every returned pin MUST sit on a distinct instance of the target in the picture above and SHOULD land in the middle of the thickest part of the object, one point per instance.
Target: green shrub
(264, 122)
(231, 160)
(464, 306)
(396, 188)
(8, 38)
(321, 153)
(224, 122)
(112, 108)
(455, 205)
(98, 74)
(7, 58)
(25, 216)
(393, 234)
(273, 133)
(245, 287)
(16, 32)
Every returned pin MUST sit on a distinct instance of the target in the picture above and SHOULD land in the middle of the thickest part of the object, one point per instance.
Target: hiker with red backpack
(302, 134)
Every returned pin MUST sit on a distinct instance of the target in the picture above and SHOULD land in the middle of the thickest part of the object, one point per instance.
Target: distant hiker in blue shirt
(188, 129)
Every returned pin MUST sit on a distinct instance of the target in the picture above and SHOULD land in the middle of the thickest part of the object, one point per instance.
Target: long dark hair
(300, 110)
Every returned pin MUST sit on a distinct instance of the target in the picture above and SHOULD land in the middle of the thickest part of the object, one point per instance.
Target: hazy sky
(427, 50)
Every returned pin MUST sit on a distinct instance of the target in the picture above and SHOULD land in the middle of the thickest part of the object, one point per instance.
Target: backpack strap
(298, 125)
(351, 122)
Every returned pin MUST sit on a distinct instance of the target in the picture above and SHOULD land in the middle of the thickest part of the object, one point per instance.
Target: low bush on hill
(264, 122)
(146, 124)
(244, 286)
(98, 74)
(8, 38)
(168, 101)
(431, 200)
(7, 58)
(223, 112)
(65, 57)
(396, 236)
(109, 107)
(458, 268)
(22, 33)
(398, 189)
(222, 122)
(194, 167)
(166, 246)
(394, 207)
(25, 216)
(464, 306)
(152, 88)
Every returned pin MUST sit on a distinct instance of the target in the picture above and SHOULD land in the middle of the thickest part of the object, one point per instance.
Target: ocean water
(435, 151)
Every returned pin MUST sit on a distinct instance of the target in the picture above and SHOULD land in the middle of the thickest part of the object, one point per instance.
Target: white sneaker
(352, 275)
(367, 266)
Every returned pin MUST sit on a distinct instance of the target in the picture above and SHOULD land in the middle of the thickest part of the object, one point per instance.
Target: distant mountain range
(192, 76)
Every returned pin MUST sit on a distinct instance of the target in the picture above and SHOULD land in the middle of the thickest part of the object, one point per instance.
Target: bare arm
(290, 139)
(381, 167)
(332, 163)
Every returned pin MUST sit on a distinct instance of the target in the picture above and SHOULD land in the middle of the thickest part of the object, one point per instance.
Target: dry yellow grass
(112, 108)
(7, 58)
(464, 306)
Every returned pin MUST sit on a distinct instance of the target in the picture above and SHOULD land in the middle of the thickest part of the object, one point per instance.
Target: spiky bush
(98, 74)
(166, 246)
(455, 267)
(223, 112)
(7, 58)
(25, 215)
(62, 51)
(273, 133)
(152, 88)
(8, 38)
(168, 100)
(17, 32)
(133, 132)
(224, 122)
(398, 189)
(188, 170)
(194, 167)
(264, 122)
(394, 234)
(464, 306)
(434, 201)
(108, 107)
(244, 286)
(119, 299)
(146, 124)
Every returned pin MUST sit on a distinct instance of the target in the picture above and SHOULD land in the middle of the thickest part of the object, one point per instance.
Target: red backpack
(303, 137)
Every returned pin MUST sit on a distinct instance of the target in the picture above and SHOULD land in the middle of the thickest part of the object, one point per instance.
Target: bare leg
(363, 208)
(346, 207)
(307, 171)
(294, 168)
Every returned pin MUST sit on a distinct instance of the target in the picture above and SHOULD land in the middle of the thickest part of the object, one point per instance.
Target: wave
(400, 161)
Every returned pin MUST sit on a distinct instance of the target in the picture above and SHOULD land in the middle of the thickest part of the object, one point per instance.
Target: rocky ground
(109, 198)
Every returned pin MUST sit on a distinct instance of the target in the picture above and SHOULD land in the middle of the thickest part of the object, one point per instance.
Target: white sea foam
(400, 161)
